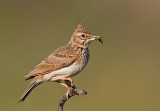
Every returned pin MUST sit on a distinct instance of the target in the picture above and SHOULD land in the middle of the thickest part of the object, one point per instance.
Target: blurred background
(123, 74)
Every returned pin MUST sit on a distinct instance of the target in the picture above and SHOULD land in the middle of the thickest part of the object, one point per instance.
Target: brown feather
(81, 28)
(60, 58)
(32, 85)
(76, 51)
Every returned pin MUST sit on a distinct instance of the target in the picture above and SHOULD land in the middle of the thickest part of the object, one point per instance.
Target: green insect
(99, 39)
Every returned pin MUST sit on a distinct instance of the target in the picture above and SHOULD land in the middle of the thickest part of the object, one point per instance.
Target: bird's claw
(67, 95)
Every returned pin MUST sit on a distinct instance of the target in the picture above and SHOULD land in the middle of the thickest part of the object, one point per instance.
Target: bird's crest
(81, 28)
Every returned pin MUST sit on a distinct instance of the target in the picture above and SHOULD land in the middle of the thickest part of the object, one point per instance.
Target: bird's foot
(67, 95)
(69, 83)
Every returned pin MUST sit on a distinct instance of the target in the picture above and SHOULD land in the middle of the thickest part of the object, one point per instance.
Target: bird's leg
(65, 79)
(69, 82)
(65, 85)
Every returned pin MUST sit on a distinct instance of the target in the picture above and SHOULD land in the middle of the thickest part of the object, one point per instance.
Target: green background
(123, 74)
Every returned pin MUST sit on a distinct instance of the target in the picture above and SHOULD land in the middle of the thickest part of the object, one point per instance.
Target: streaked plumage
(64, 62)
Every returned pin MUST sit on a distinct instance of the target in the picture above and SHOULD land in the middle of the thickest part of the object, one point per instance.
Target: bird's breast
(66, 71)
(72, 69)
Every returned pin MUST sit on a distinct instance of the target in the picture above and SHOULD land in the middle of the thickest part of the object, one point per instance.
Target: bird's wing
(60, 58)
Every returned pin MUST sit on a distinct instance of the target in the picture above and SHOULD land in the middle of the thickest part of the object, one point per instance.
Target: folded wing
(60, 58)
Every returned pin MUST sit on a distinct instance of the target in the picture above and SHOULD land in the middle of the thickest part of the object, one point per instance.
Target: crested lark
(63, 63)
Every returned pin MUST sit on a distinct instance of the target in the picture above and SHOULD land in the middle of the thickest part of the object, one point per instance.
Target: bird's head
(82, 38)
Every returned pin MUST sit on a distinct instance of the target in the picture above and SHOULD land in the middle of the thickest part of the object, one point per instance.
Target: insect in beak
(98, 38)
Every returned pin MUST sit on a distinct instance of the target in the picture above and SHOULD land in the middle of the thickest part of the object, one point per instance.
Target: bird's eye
(83, 35)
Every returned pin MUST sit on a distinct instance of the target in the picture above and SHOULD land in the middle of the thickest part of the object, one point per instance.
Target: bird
(63, 63)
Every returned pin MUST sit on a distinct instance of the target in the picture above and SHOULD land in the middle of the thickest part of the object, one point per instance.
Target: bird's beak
(98, 38)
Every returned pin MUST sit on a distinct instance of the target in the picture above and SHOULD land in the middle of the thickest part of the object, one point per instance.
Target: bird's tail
(32, 85)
